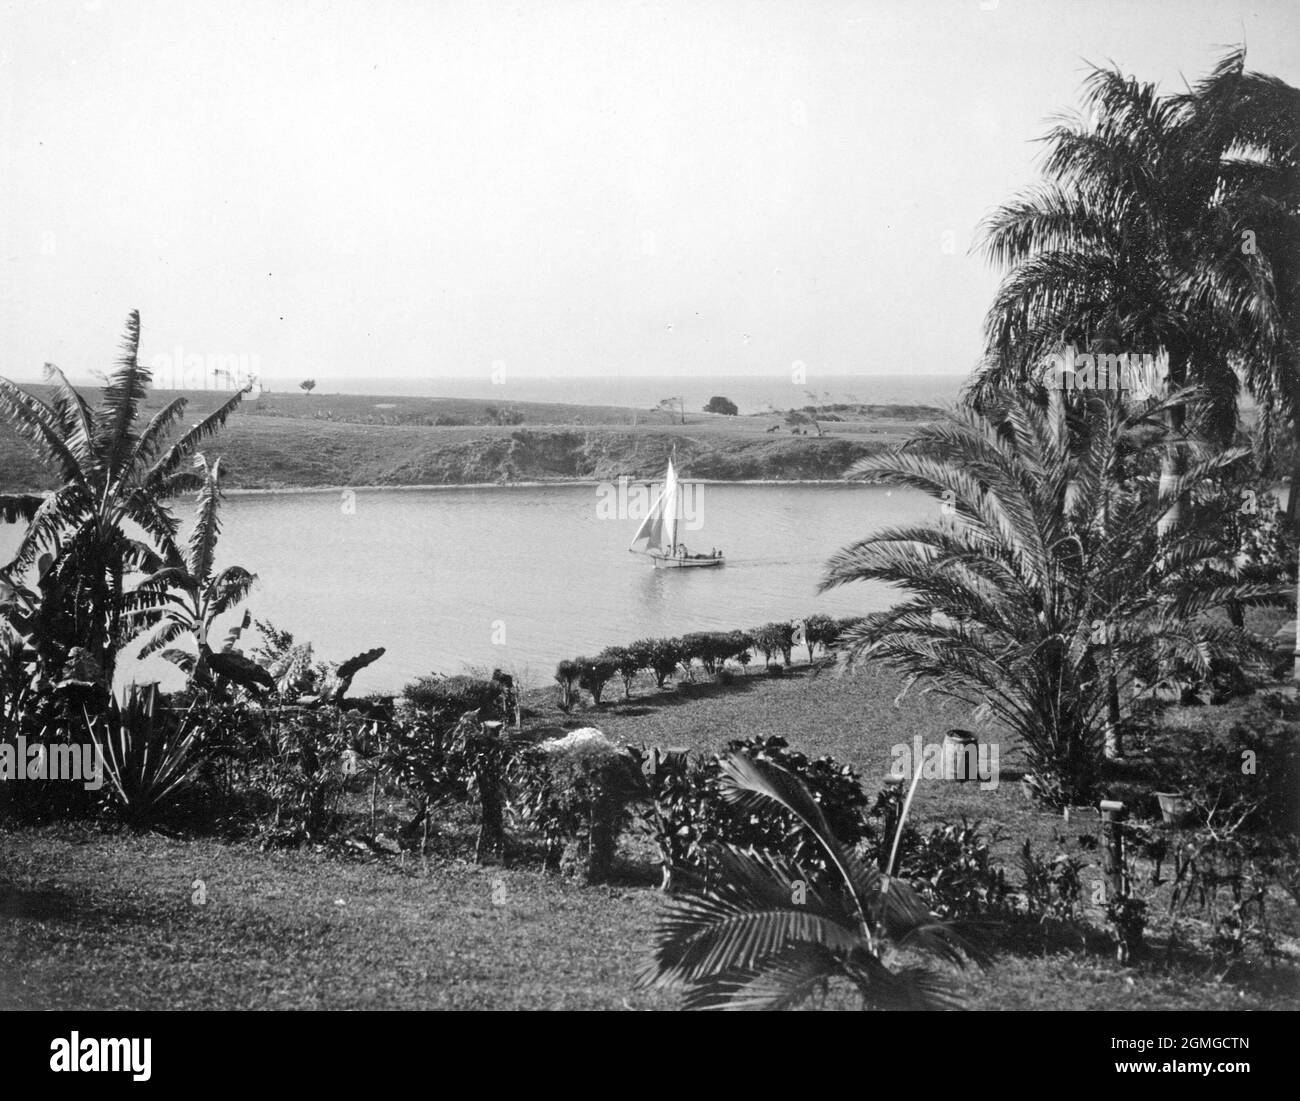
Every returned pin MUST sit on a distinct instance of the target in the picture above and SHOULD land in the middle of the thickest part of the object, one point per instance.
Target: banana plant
(188, 594)
(759, 933)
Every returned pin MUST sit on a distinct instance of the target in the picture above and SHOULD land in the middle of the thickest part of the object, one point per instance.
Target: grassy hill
(299, 440)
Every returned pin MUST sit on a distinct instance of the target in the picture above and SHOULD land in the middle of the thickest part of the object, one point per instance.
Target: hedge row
(662, 657)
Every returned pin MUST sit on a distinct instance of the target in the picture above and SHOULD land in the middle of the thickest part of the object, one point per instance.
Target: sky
(541, 189)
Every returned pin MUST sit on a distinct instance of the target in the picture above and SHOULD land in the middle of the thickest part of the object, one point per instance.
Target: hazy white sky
(425, 189)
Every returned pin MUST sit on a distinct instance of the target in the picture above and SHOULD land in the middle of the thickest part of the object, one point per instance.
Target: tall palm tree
(112, 473)
(190, 592)
(1167, 225)
(759, 935)
(1050, 579)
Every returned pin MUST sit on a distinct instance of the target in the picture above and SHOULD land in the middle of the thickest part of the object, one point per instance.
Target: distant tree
(796, 417)
(307, 385)
(669, 403)
(722, 405)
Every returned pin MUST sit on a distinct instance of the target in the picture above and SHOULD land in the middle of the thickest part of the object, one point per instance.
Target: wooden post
(491, 833)
(893, 805)
(602, 835)
(1112, 853)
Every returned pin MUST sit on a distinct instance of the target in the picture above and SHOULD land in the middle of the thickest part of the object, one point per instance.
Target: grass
(100, 920)
(296, 440)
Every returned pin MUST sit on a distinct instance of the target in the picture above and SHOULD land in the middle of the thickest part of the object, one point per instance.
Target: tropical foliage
(1045, 589)
(760, 935)
(114, 476)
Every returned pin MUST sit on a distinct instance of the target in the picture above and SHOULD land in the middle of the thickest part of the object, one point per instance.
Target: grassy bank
(299, 440)
(95, 920)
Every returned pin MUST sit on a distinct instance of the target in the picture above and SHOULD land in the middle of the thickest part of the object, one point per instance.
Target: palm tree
(762, 934)
(111, 472)
(191, 594)
(1049, 580)
(1145, 235)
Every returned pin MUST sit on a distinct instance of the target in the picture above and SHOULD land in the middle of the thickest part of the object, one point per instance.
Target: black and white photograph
(650, 505)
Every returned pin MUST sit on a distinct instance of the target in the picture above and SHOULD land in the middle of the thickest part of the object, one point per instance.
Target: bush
(594, 674)
(1243, 777)
(307, 770)
(577, 789)
(452, 696)
(952, 869)
(662, 657)
(690, 813)
(719, 404)
(820, 630)
(627, 661)
(772, 638)
(567, 674)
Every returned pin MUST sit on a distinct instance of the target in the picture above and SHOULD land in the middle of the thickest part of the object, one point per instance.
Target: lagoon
(518, 577)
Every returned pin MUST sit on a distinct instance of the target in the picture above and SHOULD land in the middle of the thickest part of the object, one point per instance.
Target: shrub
(1243, 777)
(772, 638)
(820, 630)
(305, 775)
(452, 696)
(594, 674)
(1053, 891)
(577, 789)
(148, 750)
(627, 662)
(689, 812)
(952, 869)
(567, 674)
(662, 657)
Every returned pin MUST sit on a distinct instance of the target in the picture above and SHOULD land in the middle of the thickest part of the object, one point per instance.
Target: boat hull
(668, 562)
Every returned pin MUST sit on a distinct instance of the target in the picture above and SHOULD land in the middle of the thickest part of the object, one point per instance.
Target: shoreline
(563, 482)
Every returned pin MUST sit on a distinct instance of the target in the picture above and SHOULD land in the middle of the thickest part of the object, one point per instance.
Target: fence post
(1112, 854)
(491, 833)
(892, 806)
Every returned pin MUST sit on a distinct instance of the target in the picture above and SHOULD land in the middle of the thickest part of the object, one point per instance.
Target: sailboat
(658, 532)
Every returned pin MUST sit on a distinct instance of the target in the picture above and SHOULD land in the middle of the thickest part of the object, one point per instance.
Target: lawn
(92, 919)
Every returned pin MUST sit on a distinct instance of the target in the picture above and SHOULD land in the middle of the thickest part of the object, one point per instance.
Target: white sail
(671, 509)
(659, 528)
(651, 529)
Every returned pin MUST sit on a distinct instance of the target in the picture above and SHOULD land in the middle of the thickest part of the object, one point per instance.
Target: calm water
(519, 577)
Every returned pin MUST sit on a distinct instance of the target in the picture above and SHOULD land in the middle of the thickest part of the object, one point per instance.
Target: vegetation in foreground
(1063, 594)
(96, 917)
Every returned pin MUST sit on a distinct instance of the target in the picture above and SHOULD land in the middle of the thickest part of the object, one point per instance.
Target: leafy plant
(1042, 592)
(187, 594)
(114, 478)
(148, 751)
(757, 934)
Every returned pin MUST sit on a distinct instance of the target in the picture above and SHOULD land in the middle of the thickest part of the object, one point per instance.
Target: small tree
(819, 630)
(628, 661)
(668, 404)
(772, 637)
(662, 656)
(307, 385)
(566, 676)
(796, 418)
(722, 405)
(595, 674)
